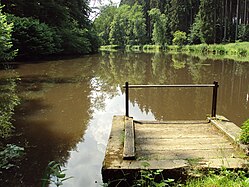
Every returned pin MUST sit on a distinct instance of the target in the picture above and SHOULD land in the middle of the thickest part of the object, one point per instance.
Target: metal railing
(215, 86)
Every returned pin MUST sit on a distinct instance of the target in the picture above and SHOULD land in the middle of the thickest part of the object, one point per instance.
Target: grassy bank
(109, 47)
(236, 51)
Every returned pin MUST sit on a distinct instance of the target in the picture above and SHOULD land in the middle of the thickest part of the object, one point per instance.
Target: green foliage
(74, 39)
(9, 155)
(159, 36)
(243, 34)
(244, 137)
(196, 36)
(207, 20)
(153, 178)
(117, 35)
(8, 101)
(152, 48)
(54, 174)
(6, 53)
(180, 38)
(44, 27)
(121, 26)
(224, 178)
(109, 48)
(179, 12)
(102, 23)
(33, 38)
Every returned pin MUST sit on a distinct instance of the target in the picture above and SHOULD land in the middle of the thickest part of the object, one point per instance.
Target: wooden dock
(172, 146)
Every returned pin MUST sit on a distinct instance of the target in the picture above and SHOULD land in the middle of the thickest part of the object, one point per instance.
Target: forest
(48, 27)
(159, 22)
(61, 27)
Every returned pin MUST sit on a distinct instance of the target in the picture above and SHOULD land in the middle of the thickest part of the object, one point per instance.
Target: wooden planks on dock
(181, 141)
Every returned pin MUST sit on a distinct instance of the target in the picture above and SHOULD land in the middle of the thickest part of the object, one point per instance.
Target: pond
(67, 105)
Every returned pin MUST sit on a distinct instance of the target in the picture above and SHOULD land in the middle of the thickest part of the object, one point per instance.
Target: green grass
(133, 48)
(109, 48)
(238, 51)
(224, 178)
(152, 48)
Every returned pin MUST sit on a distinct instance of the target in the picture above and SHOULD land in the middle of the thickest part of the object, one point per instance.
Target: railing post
(127, 99)
(214, 102)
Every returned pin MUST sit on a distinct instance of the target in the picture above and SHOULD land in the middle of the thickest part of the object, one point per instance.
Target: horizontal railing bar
(170, 86)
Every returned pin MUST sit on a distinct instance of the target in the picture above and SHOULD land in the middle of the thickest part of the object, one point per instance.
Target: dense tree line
(45, 27)
(203, 21)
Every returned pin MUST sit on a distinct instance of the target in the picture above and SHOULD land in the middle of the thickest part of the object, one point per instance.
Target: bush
(33, 38)
(8, 101)
(74, 39)
(180, 38)
(244, 137)
(5, 40)
(243, 34)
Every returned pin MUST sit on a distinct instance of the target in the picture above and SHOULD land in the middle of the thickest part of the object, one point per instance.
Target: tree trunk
(225, 23)
(237, 20)
(245, 12)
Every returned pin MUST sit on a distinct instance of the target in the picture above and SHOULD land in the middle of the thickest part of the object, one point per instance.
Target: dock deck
(170, 146)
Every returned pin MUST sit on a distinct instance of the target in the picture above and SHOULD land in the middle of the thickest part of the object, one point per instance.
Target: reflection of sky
(85, 163)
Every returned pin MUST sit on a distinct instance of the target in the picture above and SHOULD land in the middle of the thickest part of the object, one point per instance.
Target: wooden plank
(227, 127)
(180, 141)
(173, 147)
(186, 154)
(129, 140)
(173, 125)
(181, 122)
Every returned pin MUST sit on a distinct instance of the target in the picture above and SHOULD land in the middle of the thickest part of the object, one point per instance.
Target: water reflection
(161, 68)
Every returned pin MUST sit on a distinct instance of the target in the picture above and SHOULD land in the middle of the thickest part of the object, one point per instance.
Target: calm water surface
(67, 105)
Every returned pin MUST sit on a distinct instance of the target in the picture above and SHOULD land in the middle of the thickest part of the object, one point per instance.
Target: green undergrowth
(244, 137)
(207, 178)
(236, 51)
(152, 48)
(223, 178)
(8, 101)
(109, 48)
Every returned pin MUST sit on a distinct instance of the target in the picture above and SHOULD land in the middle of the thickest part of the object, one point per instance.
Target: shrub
(33, 38)
(243, 34)
(10, 155)
(180, 38)
(8, 101)
(5, 40)
(244, 137)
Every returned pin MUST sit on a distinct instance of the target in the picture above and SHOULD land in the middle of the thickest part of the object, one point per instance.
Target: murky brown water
(67, 105)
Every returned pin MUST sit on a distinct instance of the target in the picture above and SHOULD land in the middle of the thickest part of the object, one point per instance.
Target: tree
(102, 23)
(6, 52)
(128, 26)
(180, 15)
(119, 30)
(33, 38)
(68, 18)
(137, 26)
(159, 27)
(196, 36)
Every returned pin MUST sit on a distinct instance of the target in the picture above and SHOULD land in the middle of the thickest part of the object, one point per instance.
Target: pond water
(67, 105)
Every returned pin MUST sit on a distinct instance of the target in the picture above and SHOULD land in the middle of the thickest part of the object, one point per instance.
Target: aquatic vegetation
(54, 174)
(10, 155)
